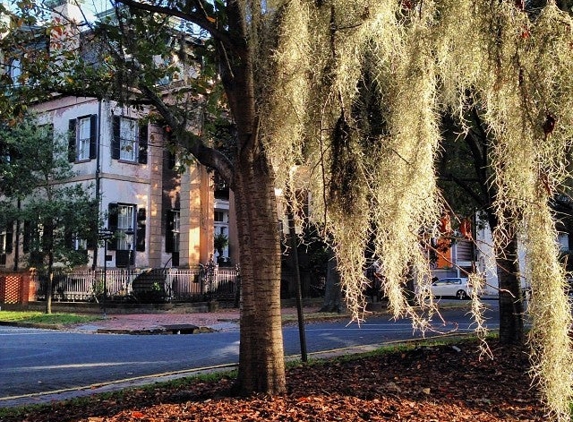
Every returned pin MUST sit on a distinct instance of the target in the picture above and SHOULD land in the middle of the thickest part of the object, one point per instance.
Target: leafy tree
(292, 73)
(468, 185)
(220, 241)
(35, 182)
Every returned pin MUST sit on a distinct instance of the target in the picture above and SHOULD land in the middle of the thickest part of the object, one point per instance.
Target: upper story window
(220, 216)
(83, 138)
(15, 71)
(129, 140)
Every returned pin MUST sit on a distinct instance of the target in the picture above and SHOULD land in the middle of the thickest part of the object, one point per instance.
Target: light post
(105, 235)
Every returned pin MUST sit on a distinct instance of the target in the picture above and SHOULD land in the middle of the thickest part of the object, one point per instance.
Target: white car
(451, 287)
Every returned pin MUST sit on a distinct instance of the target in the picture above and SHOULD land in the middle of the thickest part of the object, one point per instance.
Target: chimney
(66, 19)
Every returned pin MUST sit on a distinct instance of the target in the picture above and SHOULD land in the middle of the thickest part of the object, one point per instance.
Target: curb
(56, 327)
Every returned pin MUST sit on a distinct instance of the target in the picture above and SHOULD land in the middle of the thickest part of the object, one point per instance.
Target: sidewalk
(174, 323)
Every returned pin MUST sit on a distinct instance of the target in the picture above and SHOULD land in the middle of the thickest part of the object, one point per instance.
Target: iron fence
(204, 282)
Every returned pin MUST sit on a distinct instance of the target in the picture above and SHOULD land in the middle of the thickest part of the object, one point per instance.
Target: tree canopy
(59, 216)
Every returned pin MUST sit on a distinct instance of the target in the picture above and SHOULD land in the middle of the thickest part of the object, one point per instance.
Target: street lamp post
(105, 235)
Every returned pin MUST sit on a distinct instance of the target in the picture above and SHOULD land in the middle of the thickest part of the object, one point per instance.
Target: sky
(95, 6)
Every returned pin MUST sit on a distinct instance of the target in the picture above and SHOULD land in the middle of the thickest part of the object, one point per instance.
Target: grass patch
(36, 317)
(316, 316)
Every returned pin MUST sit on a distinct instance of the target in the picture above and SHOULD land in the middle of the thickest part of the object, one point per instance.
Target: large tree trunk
(261, 359)
(510, 295)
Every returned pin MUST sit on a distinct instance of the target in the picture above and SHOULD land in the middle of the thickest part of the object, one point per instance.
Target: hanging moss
(352, 95)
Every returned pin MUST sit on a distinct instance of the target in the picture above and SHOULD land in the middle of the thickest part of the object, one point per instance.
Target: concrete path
(155, 323)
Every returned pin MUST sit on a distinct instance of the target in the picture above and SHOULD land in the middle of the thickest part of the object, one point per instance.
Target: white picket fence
(174, 284)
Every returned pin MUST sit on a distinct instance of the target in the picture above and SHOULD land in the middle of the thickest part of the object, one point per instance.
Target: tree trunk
(49, 288)
(332, 292)
(48, 245)
(510, 295)
(261, 359)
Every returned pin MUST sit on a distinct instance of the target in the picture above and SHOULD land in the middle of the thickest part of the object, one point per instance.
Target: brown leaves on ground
(439, 383)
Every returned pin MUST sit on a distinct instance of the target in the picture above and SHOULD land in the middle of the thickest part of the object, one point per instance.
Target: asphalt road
(38, 365)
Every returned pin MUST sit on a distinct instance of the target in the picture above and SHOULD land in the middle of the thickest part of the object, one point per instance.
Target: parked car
(451, 287)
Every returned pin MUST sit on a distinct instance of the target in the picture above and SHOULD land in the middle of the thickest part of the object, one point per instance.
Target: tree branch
(196, 18)
(462, 184)
(206, 155)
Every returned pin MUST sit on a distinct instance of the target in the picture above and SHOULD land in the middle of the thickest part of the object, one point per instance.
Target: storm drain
(185, 329)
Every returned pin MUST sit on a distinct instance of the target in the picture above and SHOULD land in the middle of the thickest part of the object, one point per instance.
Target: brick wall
(17, 288)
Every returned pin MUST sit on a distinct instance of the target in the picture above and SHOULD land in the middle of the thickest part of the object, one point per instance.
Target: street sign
(105, 234)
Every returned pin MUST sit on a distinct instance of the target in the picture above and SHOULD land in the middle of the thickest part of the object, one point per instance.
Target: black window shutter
(9, 237)
(143, 132)
(141, 215)
(112, 225)
(169, 238)
(93, 136)
(140, 238)
(72, 141)
(140, 235)
(115, 141)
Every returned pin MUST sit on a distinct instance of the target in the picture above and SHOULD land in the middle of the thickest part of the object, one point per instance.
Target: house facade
(159, 217)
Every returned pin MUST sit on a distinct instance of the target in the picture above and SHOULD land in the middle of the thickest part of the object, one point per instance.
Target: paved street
(37, 365)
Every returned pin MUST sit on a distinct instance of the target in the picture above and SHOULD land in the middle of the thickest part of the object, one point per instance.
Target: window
(15, 71)
(219, 216)
(83, 142)
(121, 218)
(173, 235)
(125, 219)
(176, 230)
(129, 140)
(173, 231)
(80, 244)
(5, 243)
(82, 138)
